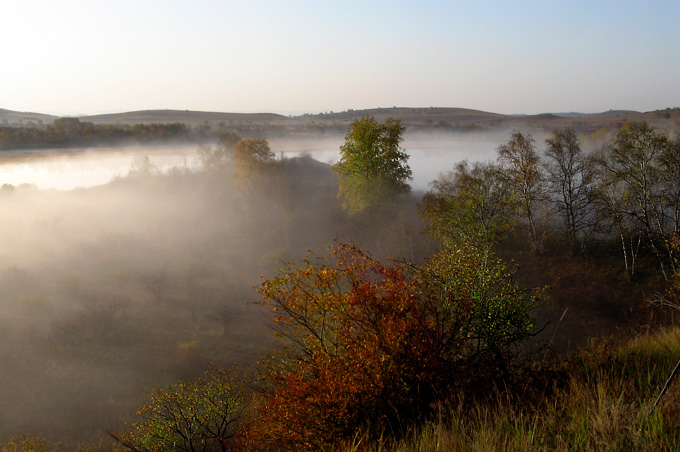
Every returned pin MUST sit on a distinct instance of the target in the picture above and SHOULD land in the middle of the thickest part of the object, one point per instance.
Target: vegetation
(204, 414)
(373, 169)
(520, 167)
(373, 346)
(638, 180)
(601, 401)
(71, 132)
(569, 179)
(470, 203)
(374, 352)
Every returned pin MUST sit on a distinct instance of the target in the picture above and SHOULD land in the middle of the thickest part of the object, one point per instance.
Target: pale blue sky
(71, 57)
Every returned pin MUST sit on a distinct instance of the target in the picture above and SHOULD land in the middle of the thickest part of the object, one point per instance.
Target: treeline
(71, 132)
(628, 189)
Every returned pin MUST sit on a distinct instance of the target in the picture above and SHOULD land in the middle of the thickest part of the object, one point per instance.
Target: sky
(71, 57)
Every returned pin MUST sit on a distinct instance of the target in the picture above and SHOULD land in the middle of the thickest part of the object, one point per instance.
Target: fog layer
(81, 168)
(109, 290)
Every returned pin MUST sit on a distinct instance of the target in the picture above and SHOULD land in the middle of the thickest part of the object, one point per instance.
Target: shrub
(204, 415)
(374, 345)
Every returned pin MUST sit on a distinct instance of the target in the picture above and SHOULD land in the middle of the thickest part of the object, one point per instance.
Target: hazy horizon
(84, 58)
(302, 113)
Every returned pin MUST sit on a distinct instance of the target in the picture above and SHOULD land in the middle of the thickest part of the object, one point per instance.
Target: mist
(431, 154)
(145, 274)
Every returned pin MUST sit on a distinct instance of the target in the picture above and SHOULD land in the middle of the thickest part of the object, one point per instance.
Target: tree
(472, 202)
(250, 157)
(201, 416)
(374, 345)
(220, 157)
(641, 166)
(520, 164)
(669, 164)
(612, 206)
(30, 443)
(373, 170)
(569, 181)
(142, 167)
(253, 162)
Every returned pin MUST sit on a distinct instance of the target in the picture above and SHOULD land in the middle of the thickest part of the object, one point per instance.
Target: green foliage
(639, 189)
(520, 166)
(205, 414)
(374, 345)
(372, 167)
(473, 298)
(472, 202)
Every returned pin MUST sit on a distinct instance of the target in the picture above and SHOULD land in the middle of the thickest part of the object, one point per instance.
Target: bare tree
(569, 182)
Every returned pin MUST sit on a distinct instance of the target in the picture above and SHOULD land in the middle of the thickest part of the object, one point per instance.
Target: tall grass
(604, 404)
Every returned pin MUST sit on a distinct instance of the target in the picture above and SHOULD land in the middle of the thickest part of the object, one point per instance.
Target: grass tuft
(603, 405)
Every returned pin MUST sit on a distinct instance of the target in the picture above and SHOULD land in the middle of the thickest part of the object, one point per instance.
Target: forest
(71, 132)
(264, 303)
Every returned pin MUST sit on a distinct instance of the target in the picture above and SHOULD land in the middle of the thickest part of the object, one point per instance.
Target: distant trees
(629, 189)
(373, 170)
(251, 157)
(221, 156)
(472, 202)
(251, 154)
(73, 132)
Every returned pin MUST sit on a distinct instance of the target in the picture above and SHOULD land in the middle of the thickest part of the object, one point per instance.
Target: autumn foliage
(373, 345)
(203, 415)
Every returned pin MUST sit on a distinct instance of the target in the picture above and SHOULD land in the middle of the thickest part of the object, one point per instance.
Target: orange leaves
(372, 343)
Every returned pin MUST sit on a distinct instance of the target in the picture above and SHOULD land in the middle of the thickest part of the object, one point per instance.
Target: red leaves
(377, 344)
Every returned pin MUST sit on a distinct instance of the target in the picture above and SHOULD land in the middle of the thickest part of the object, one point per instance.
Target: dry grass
(604, 405)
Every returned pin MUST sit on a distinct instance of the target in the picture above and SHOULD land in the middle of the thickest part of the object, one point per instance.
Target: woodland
(264, 303)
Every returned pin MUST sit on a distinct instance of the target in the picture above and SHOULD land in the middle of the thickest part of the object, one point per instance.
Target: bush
(374, 345)
(204, 415)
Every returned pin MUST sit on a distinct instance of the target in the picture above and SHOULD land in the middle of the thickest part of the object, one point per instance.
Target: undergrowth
(600, 400)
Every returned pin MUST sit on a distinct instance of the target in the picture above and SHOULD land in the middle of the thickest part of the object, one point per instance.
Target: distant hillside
(414, 118)
(188, 117)
(467, 119)
(574, 114)
(9, 118)
(411, 115)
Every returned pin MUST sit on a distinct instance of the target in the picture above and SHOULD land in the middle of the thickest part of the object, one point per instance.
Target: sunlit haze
(76, 57)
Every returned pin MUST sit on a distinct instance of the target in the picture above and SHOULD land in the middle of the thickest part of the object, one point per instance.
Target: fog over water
(68, 169)
(143, 279)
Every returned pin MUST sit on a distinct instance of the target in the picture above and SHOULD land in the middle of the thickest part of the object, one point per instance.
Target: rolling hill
(413, 118)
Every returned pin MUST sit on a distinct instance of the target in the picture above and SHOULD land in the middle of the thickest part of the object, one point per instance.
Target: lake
(62, 169)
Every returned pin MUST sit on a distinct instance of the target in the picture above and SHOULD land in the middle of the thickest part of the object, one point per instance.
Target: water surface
(69, 169)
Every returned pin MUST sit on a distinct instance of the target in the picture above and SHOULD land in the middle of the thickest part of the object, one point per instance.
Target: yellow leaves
(364, 332)
(25, 443)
